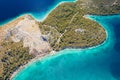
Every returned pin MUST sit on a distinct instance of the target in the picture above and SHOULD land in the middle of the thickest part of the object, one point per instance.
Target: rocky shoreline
(53, 34)
(27, 30)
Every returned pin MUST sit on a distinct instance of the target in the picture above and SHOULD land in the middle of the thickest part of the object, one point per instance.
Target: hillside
(76, 31)
(20, 41)
(65, 27)
(101, 7)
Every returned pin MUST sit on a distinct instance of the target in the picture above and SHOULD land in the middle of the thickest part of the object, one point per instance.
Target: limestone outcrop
(27, 30)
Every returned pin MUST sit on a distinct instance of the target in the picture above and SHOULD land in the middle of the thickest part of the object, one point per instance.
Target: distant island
(65, 27)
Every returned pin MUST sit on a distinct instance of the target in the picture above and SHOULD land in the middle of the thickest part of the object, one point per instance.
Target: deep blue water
(98, 63)
(10, 9)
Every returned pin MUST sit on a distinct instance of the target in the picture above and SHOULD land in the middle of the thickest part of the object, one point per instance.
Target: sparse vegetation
(68, 17)
(65, 27)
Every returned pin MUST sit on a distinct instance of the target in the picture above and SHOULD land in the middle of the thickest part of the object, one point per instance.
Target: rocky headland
(65, 27)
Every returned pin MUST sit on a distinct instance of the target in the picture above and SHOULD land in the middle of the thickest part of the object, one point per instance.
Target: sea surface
(97, 63)
(11, 9)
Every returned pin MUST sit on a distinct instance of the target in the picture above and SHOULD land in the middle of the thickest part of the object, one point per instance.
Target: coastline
(39, 57)
(101, 44)
(109, 34)
(13, 19)
(103, 64)
(40, 20)
(54, 7)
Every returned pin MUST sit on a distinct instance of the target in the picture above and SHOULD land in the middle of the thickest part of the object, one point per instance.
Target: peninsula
(65, 27)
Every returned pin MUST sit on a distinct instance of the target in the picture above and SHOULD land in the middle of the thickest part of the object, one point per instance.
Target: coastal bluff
(26, 29)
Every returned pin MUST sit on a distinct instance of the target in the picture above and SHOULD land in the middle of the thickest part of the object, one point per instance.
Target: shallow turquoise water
(98, 63)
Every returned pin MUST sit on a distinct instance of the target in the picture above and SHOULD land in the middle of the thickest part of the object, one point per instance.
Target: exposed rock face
(27, 31)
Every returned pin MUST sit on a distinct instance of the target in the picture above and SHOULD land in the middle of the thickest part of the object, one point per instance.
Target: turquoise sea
(97, 63)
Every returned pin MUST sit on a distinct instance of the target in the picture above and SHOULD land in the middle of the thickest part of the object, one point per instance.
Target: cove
(39, 9)
(98, 63)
